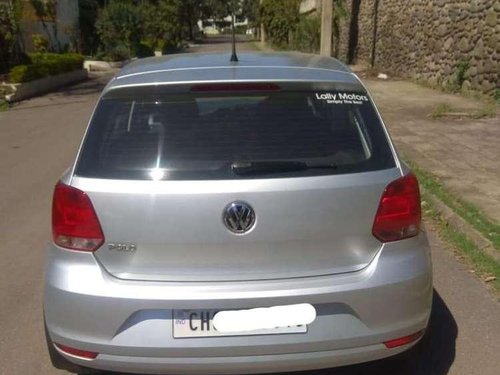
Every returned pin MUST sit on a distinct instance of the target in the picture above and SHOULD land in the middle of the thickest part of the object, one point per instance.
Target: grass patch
(484, 266)
(470, 213)
(457, 80)
(262, 47)
(3, 106)
(475, 94)
(441, 110)
(445, 110)
(489, 111)
(257, 46)
(4, 90)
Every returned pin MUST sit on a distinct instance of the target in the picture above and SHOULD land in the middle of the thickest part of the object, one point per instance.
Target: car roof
(217, 67)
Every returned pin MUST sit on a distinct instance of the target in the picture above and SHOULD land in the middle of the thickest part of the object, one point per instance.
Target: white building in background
(216, 27)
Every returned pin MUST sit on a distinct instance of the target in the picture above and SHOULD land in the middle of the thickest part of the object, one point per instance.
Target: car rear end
(191, 199)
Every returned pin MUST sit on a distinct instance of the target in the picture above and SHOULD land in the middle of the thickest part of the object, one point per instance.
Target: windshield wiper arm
(276, 166)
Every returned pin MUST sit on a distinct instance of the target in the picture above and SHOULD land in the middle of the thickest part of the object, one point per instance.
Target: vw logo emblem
(239, 217)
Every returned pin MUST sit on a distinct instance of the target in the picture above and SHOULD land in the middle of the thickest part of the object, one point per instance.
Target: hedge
(143, 50)
(46, 64)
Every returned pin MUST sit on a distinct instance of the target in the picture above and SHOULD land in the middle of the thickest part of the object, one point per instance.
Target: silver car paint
(305, 226)
(131, 320)
(362, 299)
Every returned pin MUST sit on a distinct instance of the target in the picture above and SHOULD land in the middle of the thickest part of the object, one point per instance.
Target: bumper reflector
(84, 354)
(403, 340)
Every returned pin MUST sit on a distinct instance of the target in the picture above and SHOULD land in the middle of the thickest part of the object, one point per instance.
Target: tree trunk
(375, 33)
(326, 28)
(353, 32)
(190, 25)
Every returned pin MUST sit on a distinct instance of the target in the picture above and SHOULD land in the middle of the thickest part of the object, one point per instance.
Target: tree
(119, 26)
(353, 32)
(280, 18)
(307, 34)
(190, 11)
(219, 9)
(251, 10)
(162, 21)
(88, 13)
(340, 12)
(171, 20)
(10, 34)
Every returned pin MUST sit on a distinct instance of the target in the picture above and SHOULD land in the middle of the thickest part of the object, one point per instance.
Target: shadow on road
(433, 356)
(220, 39)
(78, 93)
(93, 86)
(221, 44)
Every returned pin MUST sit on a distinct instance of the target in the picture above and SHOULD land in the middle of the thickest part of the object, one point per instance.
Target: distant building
(215, 27)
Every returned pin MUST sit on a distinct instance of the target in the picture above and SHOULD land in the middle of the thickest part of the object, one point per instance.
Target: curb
(104, 66)
(26, 90)
(459, 224)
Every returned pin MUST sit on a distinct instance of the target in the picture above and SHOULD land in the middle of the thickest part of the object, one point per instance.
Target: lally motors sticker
(342, 98)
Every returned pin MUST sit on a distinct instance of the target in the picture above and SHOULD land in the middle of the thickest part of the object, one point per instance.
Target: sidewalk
(463, 153)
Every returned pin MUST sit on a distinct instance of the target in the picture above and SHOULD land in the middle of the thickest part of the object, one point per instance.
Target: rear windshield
(199, 135)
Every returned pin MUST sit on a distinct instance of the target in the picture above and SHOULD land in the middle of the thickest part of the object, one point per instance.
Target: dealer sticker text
(342, 98)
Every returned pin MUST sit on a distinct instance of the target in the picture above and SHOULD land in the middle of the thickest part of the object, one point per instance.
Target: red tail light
(218, 87)
(399, 214)
(76, 352)
(391, 344)
(74, 222)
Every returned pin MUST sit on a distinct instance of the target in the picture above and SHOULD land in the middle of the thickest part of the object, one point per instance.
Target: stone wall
(450, 43)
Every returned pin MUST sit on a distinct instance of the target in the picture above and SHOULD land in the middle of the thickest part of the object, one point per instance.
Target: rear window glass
(197, 135)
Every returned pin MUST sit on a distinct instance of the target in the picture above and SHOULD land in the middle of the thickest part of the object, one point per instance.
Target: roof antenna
(234, 58)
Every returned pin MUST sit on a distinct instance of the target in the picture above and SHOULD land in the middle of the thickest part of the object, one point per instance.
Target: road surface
(38, 140)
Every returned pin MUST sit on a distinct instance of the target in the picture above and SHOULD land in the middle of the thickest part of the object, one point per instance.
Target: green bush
(286, 28)
(23, 59)
(40, 43)
(24, 73)
(169, 46)
(280, 19)
(456, 81)
(143, 50)
(240, 30)
(119, 52)
(10, 34)
(307, 35)
(119, 24)
(45, 64)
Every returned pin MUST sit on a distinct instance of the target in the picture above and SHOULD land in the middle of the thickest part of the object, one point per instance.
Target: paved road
(38, 139)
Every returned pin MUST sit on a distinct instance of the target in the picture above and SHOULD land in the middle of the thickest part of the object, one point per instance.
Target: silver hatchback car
(235, 217)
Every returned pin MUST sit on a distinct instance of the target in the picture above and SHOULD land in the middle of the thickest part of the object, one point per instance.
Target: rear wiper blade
(275, 166)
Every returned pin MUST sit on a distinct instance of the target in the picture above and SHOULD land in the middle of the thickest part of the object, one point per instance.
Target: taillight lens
(84, 354)
(74, 221)
(243, 86)
(391, 344)
(399, 213)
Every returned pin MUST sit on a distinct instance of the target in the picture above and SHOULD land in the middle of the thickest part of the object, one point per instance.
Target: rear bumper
(129, 323)
(240, 365)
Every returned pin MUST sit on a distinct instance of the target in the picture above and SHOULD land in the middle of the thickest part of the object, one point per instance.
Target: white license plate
(199, 323)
